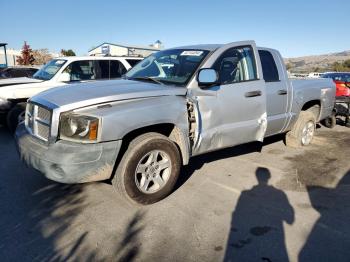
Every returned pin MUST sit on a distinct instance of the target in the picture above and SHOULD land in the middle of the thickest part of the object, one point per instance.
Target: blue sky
(296, 28)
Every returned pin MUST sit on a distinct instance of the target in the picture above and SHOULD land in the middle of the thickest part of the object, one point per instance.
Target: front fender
(123, 117)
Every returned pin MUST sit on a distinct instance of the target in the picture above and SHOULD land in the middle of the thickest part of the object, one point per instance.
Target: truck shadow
(197, 162)
(42, 220)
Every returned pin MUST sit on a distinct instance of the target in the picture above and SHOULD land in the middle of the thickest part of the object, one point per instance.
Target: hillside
(311, 63)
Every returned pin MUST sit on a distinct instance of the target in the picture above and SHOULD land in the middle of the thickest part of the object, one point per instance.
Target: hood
(18, 80)
(85, 94)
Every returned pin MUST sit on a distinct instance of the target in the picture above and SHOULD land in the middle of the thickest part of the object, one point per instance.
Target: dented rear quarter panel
(305, 90)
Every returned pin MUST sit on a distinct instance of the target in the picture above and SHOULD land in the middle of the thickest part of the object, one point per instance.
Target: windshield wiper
(146, 78)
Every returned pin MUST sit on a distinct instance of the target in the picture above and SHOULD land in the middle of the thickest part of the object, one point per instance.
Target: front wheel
(15, 116)
(149, 169)
(303, 130)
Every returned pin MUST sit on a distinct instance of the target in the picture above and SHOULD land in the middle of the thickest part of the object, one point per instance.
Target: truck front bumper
(68, 162)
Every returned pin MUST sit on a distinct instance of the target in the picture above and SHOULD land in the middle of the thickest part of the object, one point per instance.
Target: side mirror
(64, 77)
(207, 77)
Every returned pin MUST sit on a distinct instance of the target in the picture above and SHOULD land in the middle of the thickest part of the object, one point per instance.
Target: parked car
(58, 72)
(146, 126)
(12, 72)
(342, 101)
(315, 75)
(342, 81)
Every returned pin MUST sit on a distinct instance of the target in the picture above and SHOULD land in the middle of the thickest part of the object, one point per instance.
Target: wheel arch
(170, 130)
(314, 106)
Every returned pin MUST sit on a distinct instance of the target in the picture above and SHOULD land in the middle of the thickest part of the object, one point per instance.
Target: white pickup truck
(61, 71)
(175, 104)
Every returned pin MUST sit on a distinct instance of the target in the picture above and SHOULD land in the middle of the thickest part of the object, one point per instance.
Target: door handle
(253, 93)
(282, 92)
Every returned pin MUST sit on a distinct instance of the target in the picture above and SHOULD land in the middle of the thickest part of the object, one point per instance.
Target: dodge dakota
(175, 104)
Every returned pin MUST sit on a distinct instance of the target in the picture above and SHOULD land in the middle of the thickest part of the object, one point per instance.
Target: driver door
(232, 112)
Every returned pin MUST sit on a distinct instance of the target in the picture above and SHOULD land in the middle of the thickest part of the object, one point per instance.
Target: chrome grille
(44, 114)
(38, 121)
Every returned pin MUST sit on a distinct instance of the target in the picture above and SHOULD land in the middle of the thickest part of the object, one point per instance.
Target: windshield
(50, 69)
(174, 67)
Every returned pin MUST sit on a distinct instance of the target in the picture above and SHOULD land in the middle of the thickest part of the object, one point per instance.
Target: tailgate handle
(253, 93)
(282, 92)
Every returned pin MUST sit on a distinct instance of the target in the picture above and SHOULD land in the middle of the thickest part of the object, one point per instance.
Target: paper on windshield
(191, 53)
(59, 62)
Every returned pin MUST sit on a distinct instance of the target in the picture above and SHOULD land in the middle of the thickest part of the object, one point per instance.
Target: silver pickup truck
(173, 105)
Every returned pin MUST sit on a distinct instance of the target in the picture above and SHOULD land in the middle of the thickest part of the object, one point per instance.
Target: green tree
(346, 63)
(341, 67)
(289, 66)
(68, 52)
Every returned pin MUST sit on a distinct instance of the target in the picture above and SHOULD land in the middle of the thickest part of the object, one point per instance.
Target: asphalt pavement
(247, 203)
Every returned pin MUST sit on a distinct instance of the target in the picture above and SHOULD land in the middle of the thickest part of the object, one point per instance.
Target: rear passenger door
(276, 91)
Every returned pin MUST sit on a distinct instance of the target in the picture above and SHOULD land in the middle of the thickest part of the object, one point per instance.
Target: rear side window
(133, 62)
(269, 67)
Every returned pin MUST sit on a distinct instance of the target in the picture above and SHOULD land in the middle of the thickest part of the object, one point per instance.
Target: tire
(315, 110)
(347, 123)
(137, 175)
(303, 130)
(330, 122)
(14, 116)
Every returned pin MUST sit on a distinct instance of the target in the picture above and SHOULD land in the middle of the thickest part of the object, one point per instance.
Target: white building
(109, 49)
(11, 56)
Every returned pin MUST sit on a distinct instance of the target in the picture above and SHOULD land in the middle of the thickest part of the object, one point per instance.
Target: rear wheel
(149, 169)
(15, 116)
(303, 130)
(330, 122)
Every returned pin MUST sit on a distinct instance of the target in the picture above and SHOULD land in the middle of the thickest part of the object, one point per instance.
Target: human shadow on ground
(256, 232)
(329, 239)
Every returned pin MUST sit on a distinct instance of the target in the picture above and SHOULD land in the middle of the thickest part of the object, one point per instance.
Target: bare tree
(42, 56)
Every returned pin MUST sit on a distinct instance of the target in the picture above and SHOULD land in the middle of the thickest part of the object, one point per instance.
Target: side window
(269, 67)
(236, 65)
(117, 69)
(81, 70)
(102, 69)
(18, 73)
(133, 62)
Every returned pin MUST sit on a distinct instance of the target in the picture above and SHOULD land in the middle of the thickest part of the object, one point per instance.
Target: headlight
(78, 127)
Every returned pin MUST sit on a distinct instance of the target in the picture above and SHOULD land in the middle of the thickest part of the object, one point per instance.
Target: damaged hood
(18, 80)
(85, 94)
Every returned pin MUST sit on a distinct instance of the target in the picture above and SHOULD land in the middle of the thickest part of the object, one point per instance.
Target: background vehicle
(341, 81)
(58, 72)
(173, 105)
(315, 75)
(342, 101)
(12, 72)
